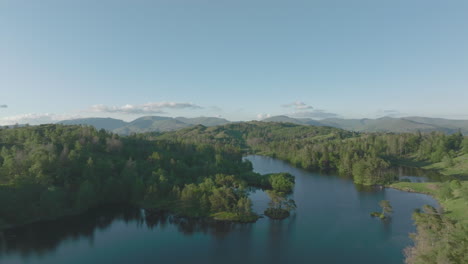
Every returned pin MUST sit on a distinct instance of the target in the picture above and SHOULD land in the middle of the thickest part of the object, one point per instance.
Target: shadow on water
(366, 189)
(279, 231)
(416, 174)
(190, 226)
(43, 237)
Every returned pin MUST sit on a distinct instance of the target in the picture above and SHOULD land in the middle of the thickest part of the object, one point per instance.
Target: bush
(282, 182)
(276, 213)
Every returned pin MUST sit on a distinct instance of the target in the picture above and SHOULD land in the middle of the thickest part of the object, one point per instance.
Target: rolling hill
(146, 123)
(108, 124)
(383, 124)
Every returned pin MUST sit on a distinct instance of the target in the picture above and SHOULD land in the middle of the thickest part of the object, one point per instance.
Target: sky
(240, 60)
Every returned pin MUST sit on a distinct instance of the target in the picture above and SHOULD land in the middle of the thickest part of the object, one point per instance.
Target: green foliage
(86, 196)
(386, 208)
(455, 184)
(454, 141)
(53, 170)
(281, 182)
(445, 191)
(370, 170)
(465, 145)
(279, 205)
(438, 239)
(463, 193)
(365, 156)
(276, 213)
(377, 214)
(233, 217)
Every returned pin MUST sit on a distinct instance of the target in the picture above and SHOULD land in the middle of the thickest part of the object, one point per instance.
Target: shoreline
(432, 195)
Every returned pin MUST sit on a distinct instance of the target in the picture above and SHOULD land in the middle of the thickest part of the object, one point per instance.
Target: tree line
(365, 156)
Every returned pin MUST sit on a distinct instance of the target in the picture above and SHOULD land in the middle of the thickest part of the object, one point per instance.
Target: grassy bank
(455, 205)
(440, 238)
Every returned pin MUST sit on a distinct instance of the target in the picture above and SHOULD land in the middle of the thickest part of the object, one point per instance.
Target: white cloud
(148, 108)
(34, 119)
(3, 106)
(263, 116)
(303, 110)
(298, 105)
(315, 114)
(389, 113)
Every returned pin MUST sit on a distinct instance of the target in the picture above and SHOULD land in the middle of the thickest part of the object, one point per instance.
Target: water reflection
(43, 237)
(416, 174)
(367, 189)
(279, 232)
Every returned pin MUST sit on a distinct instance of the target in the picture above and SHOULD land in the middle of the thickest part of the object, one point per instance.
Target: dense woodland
(438, 240)
(52, 170)
(365, 156)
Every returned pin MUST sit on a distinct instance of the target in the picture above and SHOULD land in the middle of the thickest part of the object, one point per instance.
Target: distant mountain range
(146, 123)
(384, 124)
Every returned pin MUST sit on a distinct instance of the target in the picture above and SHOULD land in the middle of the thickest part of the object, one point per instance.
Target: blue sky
(240, 60)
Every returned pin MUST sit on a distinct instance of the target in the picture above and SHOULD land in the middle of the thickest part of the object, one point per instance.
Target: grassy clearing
(419, 187)
(455, 208)
(233, 217)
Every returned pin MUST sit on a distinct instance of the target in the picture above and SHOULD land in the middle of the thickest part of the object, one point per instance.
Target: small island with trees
(386, 212)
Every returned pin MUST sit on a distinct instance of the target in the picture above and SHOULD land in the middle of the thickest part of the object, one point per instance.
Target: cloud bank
(389, 113)
(3, 106)
(263, 116)
(298, 105)
(148, 108)
(315, 114)
(303, 110)
(34, 119)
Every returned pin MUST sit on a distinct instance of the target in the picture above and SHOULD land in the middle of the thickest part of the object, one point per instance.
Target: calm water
(331, 225)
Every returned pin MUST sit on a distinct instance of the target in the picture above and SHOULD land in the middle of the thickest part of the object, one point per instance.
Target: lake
(331, 225)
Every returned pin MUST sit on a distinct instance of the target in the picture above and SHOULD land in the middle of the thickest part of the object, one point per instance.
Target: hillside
(383, 124)
(146, 123)
(151, 124)
(441, 122)
(108, 124)
(283, 119)
(205, 121)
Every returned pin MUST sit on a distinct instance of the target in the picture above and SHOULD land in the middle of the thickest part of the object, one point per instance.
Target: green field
(455, 208)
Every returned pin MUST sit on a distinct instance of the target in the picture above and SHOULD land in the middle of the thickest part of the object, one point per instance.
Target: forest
(53, 170)
(49, 171)
(365, 156)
